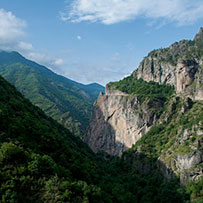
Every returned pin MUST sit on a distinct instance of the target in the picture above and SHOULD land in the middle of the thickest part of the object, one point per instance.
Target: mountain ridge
(65, 100)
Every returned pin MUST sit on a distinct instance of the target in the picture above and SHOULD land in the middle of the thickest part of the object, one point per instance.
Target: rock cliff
(127, 115)
(118, 121)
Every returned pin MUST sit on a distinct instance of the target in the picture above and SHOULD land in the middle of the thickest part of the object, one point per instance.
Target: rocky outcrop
(181, 76)
(151, 69)
(185, 164)
(118, 121)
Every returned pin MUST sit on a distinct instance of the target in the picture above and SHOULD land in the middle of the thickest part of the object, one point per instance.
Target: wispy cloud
(114, 11)
(89, 73)
(45, 59)
(58, 62)
(25, 46)
(11, 31)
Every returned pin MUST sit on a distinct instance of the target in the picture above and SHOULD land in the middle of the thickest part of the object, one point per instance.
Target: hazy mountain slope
(41, 161)
(92, 89)
(66, 101)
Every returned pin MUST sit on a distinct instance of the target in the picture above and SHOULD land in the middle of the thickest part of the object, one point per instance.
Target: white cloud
(25, 46)
(10, 26)
(11, 30)
(46, 60)
(114, 11)
(12, 33)
(79, 37)
(58, 62)
(39, 57)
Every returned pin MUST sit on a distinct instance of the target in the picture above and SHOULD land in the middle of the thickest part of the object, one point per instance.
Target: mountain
(156, 113)
(65, 100)
(41, 161)
(179, 65)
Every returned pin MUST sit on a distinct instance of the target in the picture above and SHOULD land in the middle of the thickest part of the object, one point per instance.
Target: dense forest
(41, 161)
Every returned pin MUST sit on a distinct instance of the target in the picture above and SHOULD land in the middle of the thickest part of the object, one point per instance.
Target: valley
(144, 142)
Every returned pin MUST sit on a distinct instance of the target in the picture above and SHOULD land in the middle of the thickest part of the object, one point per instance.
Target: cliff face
(181, 75)
(118, 121)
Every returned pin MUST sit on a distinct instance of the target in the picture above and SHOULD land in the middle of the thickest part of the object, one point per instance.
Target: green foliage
(186, 50)
(150, 94)
(41, 161)
(10, 153)
(163, 136)
(143, 89)
(195, 190)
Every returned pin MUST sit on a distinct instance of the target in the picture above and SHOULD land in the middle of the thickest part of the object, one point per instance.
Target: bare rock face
(185, 74)
(189, 160)
(187, 165)
(118, 121)
(181, 76)
(151, 69)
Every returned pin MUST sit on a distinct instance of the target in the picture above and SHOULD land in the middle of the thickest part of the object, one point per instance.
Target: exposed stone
(187, 161)
(181, 76)
(185, 74)
(118, 121)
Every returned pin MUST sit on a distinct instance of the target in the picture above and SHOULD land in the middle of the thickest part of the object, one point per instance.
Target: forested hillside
(65, 100)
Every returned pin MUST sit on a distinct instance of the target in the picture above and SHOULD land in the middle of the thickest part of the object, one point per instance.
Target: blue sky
(95, 40)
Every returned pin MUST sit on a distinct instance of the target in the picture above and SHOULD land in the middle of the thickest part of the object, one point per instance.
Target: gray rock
(118, 121)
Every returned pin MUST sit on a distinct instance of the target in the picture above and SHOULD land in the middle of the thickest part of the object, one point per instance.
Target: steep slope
(65, 100)
(35, 151)
(41, 161)
(159, 110)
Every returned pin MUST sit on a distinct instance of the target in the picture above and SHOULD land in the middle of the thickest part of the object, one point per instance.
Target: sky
(95, 40)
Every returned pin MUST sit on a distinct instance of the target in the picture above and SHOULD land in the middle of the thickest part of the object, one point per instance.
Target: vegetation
(66, 101)
(151, 94)
(41, 161)
(186, 50)
(143, 89)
